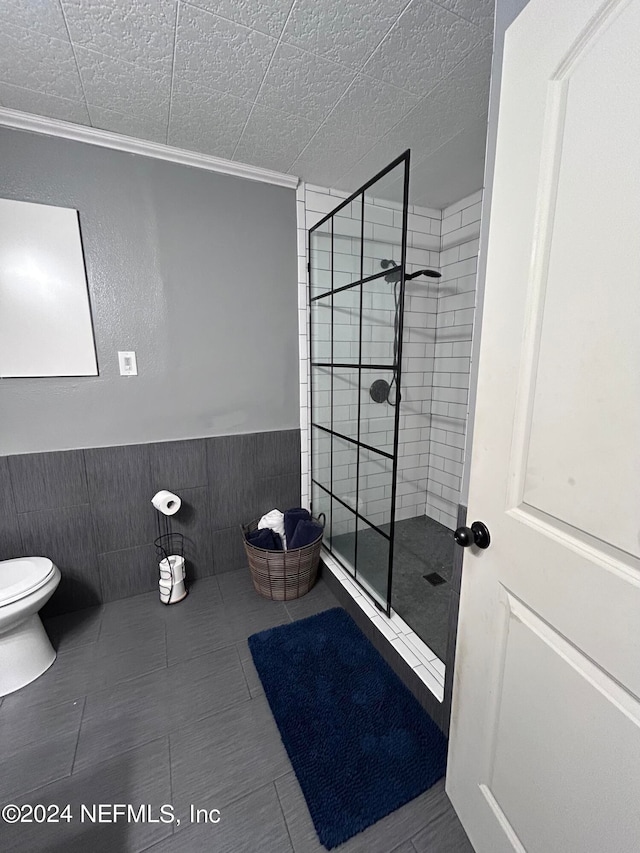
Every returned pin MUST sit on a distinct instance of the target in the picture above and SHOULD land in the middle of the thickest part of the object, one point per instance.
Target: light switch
(128, 364)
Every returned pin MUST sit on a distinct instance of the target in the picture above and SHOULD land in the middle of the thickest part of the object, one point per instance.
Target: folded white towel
(274, 520)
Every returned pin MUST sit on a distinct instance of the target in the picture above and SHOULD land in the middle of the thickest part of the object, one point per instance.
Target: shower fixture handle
(477, 534)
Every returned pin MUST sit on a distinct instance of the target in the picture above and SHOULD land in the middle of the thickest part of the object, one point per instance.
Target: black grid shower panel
(327, 297)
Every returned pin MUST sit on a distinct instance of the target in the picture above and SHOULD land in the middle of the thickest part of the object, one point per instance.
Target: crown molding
(106, 139)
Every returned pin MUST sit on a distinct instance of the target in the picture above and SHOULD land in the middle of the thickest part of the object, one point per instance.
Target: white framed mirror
(45, 315)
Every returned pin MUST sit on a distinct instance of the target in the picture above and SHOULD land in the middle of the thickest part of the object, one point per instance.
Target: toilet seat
(22, 576)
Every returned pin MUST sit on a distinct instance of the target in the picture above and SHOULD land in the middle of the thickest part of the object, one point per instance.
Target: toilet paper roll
(166, 502)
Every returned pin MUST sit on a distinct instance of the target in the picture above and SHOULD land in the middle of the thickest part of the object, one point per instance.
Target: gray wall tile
(193, 521)
(10, 538)
(48, 480)
(178, 465)
(66, 537)
(228, 550)
(120, 492)
(128, 572)
(102, 541)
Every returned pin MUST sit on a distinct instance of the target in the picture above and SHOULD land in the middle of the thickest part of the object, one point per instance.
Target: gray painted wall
(193, 270)
(505, 13)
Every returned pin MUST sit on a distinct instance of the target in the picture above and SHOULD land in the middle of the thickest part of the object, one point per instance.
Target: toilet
(26, 584)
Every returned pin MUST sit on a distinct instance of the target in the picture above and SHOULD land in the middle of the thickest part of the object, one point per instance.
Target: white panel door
(545, 728)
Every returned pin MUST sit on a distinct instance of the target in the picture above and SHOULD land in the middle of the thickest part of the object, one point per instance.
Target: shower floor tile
(422, 546)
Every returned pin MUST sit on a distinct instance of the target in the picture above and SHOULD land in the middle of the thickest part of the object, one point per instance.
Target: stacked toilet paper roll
(166, 502)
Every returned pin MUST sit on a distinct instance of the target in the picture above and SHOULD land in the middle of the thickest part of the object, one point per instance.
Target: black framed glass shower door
(357, 263)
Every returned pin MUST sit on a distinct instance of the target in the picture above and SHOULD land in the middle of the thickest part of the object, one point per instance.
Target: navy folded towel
(291, 519)
(306, 532)
(265, 538)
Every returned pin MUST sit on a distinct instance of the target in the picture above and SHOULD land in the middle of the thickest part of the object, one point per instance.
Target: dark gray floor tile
(382, 837)
(10, 538)
(132, 635)
(443, 831)
(226, 756)
(90, 668)
(405, 847)
(237, 586)
(48, 480)
(65, 536)
(204, 593)
(315, 601)
(120, 492)
(130, 572)
(253, 824)
(222, 626)
(38, 745)
(139, 776)
(74, 629)
(118, 659)
(250, 672)
(66, 679)
(228, 550)
(145, 610)
(193, 521)
(177, 465)
(136, 711)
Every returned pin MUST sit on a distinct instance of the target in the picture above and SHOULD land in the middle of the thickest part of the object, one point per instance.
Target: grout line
(255, 100)
(173, 68)
(75, 59)
(170, 772)
(75, 751)
(284, 817)
(244, 674)
(359, 70)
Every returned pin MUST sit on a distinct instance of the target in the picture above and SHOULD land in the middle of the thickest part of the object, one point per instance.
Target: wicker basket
(283, 575)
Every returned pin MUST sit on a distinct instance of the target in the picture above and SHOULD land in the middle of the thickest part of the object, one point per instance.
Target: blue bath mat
(360, 743)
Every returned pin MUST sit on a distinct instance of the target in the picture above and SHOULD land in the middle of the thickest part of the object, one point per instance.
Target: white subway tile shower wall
(452, 358)
(438, 323)
(382, 237)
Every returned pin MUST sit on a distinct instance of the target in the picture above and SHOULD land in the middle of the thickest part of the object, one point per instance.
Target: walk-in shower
(386, 449)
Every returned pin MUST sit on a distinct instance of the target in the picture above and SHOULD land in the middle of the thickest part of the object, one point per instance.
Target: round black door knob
(477, 534)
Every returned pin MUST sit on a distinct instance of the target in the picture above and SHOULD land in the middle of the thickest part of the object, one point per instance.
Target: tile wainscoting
(90, 510)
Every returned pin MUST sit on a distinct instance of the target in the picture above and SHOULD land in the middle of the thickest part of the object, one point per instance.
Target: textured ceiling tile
(463, 96)
(133, 30)
(267, 16)
(382, 153)
(139, 127)
(344, 31)
(114, 84)
(453, 171)
(327, 153)
(15, 98)
(39, 62)
(446, 110)
(210, 122)
(479, 12)
(223, 56)
(371, 107)
(300, 83)
(43, 16)
(273, 140)
(423, 46)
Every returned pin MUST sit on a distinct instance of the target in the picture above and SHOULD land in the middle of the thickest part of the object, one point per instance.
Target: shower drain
(434, 579)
